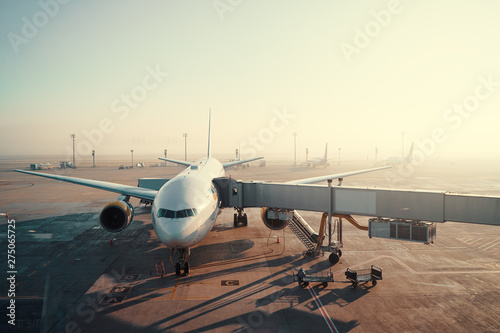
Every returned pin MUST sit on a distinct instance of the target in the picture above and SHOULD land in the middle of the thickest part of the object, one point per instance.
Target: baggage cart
(303, 278)
(361, 276)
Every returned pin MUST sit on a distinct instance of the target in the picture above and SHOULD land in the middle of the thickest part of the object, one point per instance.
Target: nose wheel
(240, 217)
(178, 268)
(182, 263)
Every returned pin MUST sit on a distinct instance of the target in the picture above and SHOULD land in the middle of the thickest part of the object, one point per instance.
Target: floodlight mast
(72, 136)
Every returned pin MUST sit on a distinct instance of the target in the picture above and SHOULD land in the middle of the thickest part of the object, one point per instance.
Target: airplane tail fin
(209, 128)
(410, 154)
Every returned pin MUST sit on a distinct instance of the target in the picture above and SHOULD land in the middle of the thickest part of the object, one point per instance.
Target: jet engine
(116, 216)
(270, 217)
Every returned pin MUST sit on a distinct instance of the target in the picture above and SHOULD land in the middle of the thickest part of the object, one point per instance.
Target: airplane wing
(319, 179)
(137, 192)
(176, 161)
(228, 164)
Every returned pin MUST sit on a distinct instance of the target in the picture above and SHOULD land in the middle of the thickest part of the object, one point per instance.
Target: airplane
(399, 160)
(184, 209)
(317, 161)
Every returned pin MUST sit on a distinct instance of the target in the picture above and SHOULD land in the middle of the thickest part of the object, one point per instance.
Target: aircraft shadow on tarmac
(63, 308)
(296, 320)
(292, 295)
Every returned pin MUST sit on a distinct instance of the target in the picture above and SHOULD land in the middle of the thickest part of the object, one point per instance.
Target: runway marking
(31, 274)
(488, 243)
(475, 241)
(321, 308)
(491, 246)
(48, 262)
(60, 254)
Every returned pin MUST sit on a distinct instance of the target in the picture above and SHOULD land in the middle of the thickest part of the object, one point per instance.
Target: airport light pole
(72, 136)
(165, 152)
(403, 144)
(307, 154)
(294, 148)
(93, 158)
(185, 135)
(132, 153)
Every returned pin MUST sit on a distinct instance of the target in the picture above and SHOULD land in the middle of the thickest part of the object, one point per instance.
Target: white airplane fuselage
(186, 207)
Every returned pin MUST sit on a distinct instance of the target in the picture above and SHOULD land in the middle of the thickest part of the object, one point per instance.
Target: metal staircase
(303, 232)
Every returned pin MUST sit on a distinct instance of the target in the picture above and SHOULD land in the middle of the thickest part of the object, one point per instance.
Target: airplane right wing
(314, 180)
(137, 192)
(228, 164)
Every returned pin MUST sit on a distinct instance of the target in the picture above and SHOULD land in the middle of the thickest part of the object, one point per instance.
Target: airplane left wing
(176, 161)
(319, 179)
(228, 164)
(137, 192)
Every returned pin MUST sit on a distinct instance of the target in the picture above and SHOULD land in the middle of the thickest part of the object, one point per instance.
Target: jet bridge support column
(330, 214)
(333, 247)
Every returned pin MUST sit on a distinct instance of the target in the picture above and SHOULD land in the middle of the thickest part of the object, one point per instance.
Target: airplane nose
(174, 232)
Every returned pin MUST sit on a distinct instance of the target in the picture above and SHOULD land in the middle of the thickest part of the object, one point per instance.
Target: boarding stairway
(304, 232)
(312, 240)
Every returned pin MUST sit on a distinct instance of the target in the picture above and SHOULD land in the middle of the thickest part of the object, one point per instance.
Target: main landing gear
(182, 262)
(240, 217)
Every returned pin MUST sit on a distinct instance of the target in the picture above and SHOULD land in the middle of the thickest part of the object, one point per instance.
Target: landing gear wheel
(374, 282)
(186, 268)
(235, 220)
(354, 285)
(325, 284)
(245, 220)
(333, 258)
(339, 253)
(178, 269)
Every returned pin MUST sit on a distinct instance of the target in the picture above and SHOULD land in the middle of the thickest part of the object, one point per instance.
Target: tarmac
(70, 278)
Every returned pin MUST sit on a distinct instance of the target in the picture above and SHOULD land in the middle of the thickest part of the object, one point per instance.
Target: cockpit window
(172, 214)
(181, 214)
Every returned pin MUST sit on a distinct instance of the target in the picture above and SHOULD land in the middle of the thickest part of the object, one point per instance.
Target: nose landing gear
(240, 217)
(182, 262)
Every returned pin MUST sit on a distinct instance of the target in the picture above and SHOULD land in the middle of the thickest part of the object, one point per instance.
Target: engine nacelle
(272, 223)
(116, 216)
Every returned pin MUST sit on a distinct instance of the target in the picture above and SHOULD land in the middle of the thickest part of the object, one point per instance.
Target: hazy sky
(136, 75)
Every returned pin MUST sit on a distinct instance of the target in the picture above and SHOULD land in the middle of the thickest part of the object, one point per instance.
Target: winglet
(209, 127)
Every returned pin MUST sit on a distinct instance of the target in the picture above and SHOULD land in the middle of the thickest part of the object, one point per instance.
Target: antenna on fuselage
(209, 127)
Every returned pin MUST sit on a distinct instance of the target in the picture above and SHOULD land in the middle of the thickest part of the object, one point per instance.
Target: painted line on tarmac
(321, 308)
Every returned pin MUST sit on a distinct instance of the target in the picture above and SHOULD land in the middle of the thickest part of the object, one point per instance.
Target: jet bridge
(396, 214)
(409, 205)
